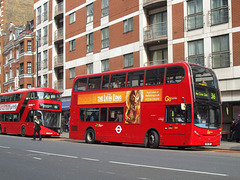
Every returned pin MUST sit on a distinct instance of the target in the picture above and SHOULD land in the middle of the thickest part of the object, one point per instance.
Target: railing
(59, 8)
(58, 34)
(44, 63)
(155, 31)
(197, 59)
(220, 59)
(58, 60)
(156, 62)
(45, 16)
(58, 85)
(194, 21)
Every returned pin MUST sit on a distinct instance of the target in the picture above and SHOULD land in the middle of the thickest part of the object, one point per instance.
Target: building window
(39, 36)
(17, 54)
(105, 38)
(196, 52)
(21, 68)
(29, 46)
(39, 13)
(158, 25)
(220, 52)
(90, 68)
(90, 13)
(128, 60)
(11, 73)
(45, 80)
(45, 11)
(45, 59)
(72, 73)
(90, 43)
(105, 65)
(39, 60)
(72, 17)
(195, 14)
(128, 25)
(6, 77)
(104, 8)
(29, 67)
(22, 47)
(159, 56)
(219, 11)
(45, 35)
(72, 45)
(29, 86)
(17, 72)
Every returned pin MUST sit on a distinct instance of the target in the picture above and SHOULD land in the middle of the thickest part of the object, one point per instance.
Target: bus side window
(92, 114)
(118, 80)
(116, 114)
(80, 84)
(82, 114)
(94, 83)
(103, 117)
(135, 78)
(175, 74)
(154, 76)
(105, 82)
(174, 114)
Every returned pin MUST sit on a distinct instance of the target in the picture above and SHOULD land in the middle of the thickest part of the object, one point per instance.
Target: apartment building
(91, 36)
(12, 12)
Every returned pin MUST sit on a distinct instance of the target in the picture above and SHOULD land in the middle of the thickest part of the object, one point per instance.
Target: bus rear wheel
(152, 139)
(23, 131)
(90, 136)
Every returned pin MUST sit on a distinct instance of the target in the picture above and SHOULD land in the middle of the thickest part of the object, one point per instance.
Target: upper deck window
(80, 84)
(118, 80)
(154, 76)
(135, 78)
(94, 83)
(175, 74)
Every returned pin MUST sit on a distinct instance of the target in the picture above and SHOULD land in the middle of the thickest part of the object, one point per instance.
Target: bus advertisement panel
(18, 108)
(174, 104)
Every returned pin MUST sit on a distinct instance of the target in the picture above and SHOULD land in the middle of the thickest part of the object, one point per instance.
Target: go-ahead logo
(169, 99)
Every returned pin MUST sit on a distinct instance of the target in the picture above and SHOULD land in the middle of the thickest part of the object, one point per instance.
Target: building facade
(91, 36)
(12, 12)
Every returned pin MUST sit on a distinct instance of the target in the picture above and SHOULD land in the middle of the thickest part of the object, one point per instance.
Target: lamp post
(37, 62)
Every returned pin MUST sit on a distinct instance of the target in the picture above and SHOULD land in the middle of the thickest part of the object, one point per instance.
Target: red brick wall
(235, 13)
(178, 52)
(71, 4)
(178, 21)
(236, 48)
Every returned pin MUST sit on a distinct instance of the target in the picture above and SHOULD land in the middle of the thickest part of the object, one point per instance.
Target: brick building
(17, 13)
(91, 36)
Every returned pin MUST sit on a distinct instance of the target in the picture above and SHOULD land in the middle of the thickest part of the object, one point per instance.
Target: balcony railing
(58, 35)
(156, 62)
(197, 59)
(58, 85)
(155, 32)
(152, 2)
(59, 8)
(58, 60)
(221, 59)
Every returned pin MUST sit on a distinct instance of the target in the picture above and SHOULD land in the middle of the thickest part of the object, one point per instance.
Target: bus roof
(39, 89)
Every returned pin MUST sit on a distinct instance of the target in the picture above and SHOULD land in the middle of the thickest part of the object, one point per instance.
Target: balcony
(59, 11)
(58, 85)
(153, 3)
(58, 61)
(155, 32)
(58, 35)
(156, 62)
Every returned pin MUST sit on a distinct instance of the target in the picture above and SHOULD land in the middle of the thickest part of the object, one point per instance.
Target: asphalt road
(24, 159)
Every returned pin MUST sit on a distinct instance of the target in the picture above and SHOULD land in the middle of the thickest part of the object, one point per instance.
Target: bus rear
(206, 107)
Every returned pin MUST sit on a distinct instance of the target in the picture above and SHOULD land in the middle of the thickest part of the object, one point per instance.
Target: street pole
(37, 64)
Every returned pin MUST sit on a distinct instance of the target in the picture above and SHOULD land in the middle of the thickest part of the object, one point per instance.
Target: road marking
(169, 169)
(37, 158)
(53, 154)
(4, 147)
(90, 159)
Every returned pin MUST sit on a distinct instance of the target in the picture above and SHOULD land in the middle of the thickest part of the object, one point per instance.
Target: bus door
(176, 119)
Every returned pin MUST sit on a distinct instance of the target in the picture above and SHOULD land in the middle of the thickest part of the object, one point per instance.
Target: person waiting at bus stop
(37, 128)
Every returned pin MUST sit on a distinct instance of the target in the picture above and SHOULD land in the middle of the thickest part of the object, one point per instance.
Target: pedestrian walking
(232, 131)
(37, 128)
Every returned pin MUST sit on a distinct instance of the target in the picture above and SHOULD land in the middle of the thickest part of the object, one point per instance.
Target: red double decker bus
(18, 108)
(174, 104)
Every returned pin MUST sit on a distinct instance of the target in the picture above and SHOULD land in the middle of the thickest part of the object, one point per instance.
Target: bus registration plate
(208, 144)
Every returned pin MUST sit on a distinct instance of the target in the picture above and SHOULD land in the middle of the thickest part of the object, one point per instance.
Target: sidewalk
(225, 145)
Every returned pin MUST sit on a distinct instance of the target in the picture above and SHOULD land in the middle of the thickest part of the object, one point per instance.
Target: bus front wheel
(90, 136)
(23, 131)
(152, 139)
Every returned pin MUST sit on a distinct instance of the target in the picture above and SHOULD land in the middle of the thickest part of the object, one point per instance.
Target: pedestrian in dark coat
(37, 128)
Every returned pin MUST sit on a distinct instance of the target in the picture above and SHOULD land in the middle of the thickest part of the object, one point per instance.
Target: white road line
(37, 158)
(90, 159)
(4, 147)
(169, 169)
(52, 154)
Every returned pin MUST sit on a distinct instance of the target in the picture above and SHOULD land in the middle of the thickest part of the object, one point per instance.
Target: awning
(65, 105)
